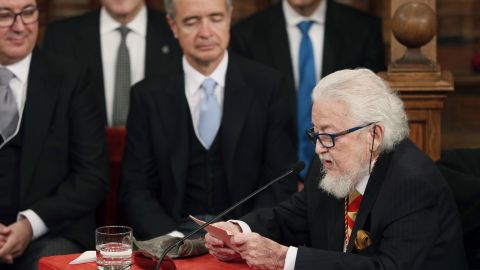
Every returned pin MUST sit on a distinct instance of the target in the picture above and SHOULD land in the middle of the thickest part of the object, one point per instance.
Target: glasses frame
(314, 136)
(20, 14)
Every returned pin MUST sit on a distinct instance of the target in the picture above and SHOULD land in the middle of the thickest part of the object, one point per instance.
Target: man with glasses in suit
(52, 147)
(306, 40)
(372, 199)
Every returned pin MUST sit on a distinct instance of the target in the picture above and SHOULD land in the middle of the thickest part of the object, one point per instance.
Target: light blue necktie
(9, 114)
(210, 114)
(307, 82)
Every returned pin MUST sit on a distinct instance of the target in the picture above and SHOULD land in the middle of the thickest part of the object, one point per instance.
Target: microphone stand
(295, 169)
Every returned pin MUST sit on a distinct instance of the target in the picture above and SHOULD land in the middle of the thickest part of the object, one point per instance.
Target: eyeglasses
(328, 140)
(8, 18)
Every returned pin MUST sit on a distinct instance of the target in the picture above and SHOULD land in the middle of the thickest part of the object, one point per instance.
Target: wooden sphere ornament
(414, 24)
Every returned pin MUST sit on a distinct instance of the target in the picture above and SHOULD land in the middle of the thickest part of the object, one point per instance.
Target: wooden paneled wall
(459, 36)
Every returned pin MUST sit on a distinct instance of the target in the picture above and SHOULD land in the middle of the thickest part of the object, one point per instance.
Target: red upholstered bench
(108, 213)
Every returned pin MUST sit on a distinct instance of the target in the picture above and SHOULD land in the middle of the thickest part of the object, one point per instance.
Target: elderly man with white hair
(372, 199)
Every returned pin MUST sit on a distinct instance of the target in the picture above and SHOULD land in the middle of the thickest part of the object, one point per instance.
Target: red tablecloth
(207, 262)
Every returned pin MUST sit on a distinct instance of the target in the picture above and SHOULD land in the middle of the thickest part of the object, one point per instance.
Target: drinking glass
(114, 247)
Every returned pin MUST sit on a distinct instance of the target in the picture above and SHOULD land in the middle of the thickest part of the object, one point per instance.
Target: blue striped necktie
(307, 82)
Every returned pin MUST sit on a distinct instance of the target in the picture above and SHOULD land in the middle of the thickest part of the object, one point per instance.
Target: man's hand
(19, 236)
(4, 232)
(217, 247)
(260, 252)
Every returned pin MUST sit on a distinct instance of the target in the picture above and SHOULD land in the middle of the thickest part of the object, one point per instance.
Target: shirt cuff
(38, 226)
(290, 258)
(244, 226)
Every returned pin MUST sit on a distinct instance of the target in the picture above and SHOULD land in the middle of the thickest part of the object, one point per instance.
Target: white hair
(170, 7)
(368, 99)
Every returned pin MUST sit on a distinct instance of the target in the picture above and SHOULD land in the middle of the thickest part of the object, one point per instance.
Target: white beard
(341, 186)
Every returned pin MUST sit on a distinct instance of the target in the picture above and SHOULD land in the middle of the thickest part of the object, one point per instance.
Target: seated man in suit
(208, 133)
(372, 199)
(306, 40)
(53, 170)
(122, 43)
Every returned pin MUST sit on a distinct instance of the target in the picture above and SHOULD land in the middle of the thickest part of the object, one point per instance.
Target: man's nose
(205, 28)
(319, 148)
(18, 24)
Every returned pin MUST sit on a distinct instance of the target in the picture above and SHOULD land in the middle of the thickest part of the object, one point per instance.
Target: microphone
(297, 167)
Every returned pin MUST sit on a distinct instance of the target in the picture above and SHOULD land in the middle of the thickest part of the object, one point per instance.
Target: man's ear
(376, 134)
(173, 25)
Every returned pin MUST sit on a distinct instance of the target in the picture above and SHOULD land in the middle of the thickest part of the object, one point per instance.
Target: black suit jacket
(352, 39)
(255, 145)
(79, 38)
(407, 208)
(461, 169)
(63, 167)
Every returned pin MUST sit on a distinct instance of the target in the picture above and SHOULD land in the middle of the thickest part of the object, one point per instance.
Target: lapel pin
(165, 49)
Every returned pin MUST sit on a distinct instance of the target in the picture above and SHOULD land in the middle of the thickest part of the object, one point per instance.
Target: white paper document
(86, 257)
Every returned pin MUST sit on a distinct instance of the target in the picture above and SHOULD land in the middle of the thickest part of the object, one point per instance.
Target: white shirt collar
(362, 185)
(292, 18)
(197, 78)
(137, 25)
(20, 69)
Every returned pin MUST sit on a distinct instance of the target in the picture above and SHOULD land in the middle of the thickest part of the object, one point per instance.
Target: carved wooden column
(414, 72)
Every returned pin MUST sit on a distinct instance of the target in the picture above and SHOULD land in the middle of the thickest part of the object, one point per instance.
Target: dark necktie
(210, 114)
(306, 83)
(122, 81)
(9, 114)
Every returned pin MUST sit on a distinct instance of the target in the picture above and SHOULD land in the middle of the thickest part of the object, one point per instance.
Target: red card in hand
(217, 232)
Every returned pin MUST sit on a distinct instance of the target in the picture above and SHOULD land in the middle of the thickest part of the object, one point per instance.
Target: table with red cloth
(206, 261)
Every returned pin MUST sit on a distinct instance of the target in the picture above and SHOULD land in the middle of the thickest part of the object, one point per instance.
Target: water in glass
(114, 256)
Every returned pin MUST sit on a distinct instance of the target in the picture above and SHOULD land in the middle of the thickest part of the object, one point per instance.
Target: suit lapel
(158, 50)
(89, 48)
(42, 94)
(276, 32)
(331, 40)
(175, 112)
(236, 104)
(336, 225)
(328, 215)
(370, 196)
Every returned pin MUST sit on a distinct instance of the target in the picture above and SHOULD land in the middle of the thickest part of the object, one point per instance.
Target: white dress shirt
(110, 39)
(193, 83)
(19, 84)
(316, 33)
(194, 95)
